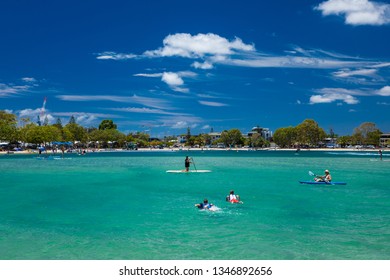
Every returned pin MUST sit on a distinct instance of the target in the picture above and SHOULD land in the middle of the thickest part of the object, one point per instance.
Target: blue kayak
(322, 183)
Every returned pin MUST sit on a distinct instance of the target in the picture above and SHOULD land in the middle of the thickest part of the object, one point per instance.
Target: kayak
(322, 183)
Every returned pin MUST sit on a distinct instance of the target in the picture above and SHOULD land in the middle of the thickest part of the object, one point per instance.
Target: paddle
(194, 164)
(322, 178)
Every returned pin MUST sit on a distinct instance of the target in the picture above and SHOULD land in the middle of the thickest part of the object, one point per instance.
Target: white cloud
(172, 79)
(212, 104)
(200, 45)
(115, 56)
(7, 90)
(202, 65)
(332, 97)
(329, 95)
(29, 80)
(153, 75)
(385, 91)
(357, 12)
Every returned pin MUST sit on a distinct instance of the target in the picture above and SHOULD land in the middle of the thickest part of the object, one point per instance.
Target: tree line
(309, 134)
(106, 135)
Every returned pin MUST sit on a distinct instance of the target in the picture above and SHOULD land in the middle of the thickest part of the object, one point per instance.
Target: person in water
(325, 178)
(232, 197)
(204, 205)
(380, 154)
(187, 163)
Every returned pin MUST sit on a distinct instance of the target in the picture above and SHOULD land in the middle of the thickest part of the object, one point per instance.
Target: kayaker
(325, 178)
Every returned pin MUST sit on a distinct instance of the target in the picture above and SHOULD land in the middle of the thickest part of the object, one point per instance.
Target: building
(264, 132)
(384, 140)
(214, 136)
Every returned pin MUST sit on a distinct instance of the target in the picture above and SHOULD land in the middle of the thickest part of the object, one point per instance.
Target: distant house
(264, 132)
(214, 136)
(384, 140)
(182, 139)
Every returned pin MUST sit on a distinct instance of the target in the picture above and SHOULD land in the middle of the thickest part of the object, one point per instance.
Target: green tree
(35, 134)
(58, 123)
(285, 137)
(107, 124)
(74, 132)
(367, 134)
(344, 141)
(256, 141)
(309, 133)
(232, 137)
(8, 127)
(72, 120)
(188, 136)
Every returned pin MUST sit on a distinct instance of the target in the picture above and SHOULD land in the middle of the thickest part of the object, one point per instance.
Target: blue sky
(163, 66)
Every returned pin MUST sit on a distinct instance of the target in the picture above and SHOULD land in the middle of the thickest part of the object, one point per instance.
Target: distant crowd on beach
(93, 150)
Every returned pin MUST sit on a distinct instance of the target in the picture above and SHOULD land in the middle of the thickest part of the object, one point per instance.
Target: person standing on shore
(187, 163)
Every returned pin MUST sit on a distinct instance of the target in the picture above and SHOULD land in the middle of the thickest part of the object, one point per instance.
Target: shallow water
(125, 206)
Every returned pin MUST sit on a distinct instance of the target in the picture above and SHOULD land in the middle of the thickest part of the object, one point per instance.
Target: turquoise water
(125, 206)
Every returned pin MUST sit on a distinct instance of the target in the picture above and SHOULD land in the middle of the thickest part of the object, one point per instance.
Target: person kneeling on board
(232, 198)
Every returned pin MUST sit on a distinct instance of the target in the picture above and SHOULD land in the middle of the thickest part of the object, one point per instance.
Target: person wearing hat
(326, 178)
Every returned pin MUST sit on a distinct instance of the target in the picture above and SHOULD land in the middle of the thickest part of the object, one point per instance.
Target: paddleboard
(191, 171)
(322, 183)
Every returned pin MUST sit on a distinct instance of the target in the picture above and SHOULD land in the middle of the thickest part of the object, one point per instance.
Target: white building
(264, 132)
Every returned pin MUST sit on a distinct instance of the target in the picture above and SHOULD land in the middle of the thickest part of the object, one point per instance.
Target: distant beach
(200, 149)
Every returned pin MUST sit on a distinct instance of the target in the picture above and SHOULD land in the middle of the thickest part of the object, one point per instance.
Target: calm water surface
(125, 206)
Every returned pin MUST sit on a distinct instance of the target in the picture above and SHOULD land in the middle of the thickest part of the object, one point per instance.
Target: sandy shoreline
(199, 149)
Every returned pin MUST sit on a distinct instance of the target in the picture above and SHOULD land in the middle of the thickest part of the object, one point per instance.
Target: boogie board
(190, 171)
(322, 183)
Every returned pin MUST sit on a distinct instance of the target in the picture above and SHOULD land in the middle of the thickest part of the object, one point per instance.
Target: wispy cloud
(213, 104)
(145, 110)
(207, 50)
(364, 76)
(180, 122)
(115, 56)
(357, 12)
(359, 72)
(146, 101)
(29, 80)
(383, 103)
(12, 90)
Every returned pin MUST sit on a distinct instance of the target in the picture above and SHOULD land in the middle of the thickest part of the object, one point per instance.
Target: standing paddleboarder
(187, 163)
